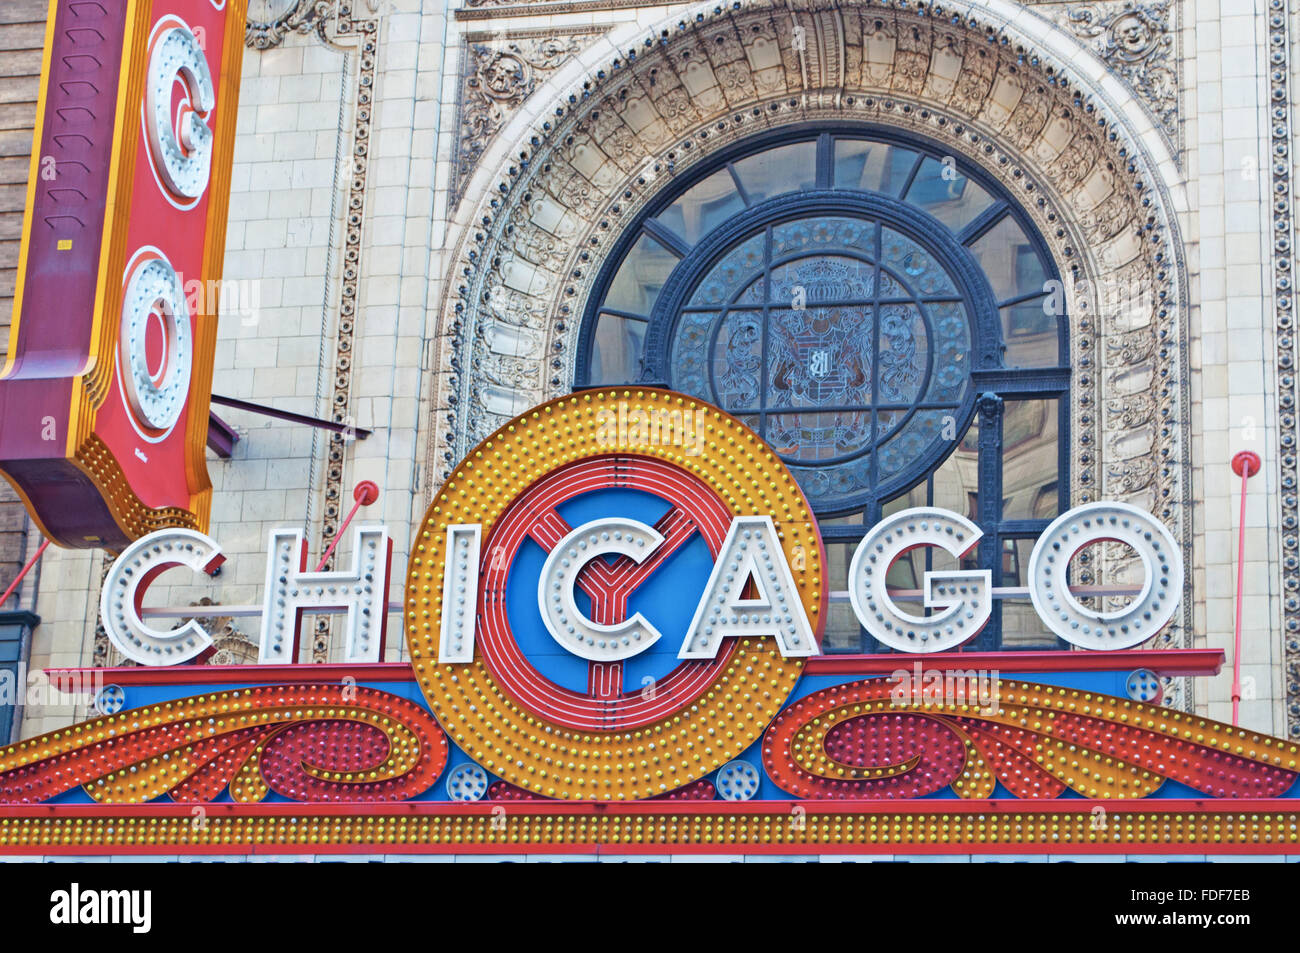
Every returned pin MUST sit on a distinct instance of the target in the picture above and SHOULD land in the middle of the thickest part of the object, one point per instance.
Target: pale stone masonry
(348, 193)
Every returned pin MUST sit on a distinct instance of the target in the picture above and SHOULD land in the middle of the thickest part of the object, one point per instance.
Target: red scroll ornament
(316, 743)
(872, 739)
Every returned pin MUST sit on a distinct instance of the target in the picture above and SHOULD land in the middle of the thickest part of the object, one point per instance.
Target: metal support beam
(221, 436)
(330, 425)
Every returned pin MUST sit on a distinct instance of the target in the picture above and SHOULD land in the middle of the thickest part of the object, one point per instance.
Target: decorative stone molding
(102, 653)
(1138, 42)
(363, 35)
(533, 243)
(301, 16)
(489, 9)
(335, 24)
(499, 72)
(1280, 40)
(232, 646)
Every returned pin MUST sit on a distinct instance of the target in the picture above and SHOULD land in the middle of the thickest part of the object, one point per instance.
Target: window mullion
(911, 176)
(983, 223)
(825, 161)
(740, 186)
(667, 237)
(989, 407)
(1023, 298)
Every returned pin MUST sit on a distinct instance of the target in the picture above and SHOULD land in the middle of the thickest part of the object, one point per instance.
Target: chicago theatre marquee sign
(612, 615)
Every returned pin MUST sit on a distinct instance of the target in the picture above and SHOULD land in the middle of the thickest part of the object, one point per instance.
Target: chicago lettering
(751, 590)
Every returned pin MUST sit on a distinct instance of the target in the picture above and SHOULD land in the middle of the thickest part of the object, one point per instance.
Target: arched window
(884, 315)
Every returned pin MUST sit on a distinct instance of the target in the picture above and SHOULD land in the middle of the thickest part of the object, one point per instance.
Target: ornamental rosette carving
(499, 74)
(1136, 40)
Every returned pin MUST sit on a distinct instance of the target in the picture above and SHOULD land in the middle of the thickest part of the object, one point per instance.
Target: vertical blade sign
(104, 391)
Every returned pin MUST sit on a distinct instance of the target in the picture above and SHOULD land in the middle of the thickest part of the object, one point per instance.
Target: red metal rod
(365, 493)
(25, 570)
(1245, 465)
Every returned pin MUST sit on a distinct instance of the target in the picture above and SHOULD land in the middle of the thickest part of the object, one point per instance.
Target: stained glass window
(842, 342)
(881, 312)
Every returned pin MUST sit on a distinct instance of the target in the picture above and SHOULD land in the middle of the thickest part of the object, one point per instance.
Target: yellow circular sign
(746, 686)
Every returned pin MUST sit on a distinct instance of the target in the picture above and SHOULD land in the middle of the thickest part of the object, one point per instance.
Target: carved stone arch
(1020, 99)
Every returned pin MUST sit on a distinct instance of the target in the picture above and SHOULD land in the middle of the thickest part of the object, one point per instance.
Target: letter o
(156, 396)
(1082, 526)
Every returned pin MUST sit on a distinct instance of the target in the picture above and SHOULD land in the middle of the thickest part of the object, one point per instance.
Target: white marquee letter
(460, 593)
(291, 590)
(965, 595)
(1082, 526)
(182, 156)
(555, 598)
(128, 579)
(750, 551)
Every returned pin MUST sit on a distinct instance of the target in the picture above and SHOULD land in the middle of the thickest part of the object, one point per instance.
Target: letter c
(128, 580)
(555, 596)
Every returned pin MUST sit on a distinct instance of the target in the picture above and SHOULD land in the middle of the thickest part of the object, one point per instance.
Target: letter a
(751, 551)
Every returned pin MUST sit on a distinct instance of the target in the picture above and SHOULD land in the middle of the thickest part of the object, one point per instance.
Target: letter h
(291, 591)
